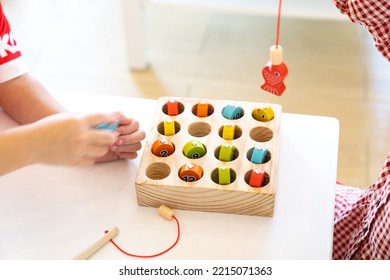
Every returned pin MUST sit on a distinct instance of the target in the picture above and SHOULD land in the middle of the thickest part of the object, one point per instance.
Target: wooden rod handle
(88, 252)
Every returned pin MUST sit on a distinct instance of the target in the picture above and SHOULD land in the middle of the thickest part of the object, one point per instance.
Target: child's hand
(71, 139)
(128, 142)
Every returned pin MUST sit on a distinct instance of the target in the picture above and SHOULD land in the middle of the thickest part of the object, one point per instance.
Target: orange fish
(274, 76)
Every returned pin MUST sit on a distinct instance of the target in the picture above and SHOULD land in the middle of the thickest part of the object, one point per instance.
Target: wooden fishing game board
(231, 148)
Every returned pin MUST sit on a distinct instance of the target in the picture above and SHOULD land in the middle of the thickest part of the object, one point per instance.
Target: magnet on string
(166, 212)
(274, 72)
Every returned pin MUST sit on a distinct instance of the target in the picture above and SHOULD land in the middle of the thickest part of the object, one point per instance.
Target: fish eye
(277, 74)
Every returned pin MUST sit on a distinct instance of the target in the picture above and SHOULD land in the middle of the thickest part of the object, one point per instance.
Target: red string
(278, 23)
(154, 255)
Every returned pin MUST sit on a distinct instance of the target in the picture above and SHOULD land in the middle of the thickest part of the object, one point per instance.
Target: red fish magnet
(274, 72)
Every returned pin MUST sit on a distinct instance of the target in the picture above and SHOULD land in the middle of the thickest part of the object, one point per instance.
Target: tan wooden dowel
(87, 253)
(166, 212)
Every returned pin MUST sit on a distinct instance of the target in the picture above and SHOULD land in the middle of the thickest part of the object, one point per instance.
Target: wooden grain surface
(158, 182)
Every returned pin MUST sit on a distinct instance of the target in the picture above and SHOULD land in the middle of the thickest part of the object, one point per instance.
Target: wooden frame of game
(211, 155)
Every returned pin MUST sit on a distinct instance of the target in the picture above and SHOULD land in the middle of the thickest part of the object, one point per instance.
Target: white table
(49, 212)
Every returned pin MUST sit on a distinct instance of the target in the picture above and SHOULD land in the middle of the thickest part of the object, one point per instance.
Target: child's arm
(62, 139)
(26, 100)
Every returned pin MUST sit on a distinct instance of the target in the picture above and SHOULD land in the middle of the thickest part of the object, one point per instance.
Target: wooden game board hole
(229, 153)
(235, 133)
(265, 159)
(178, 110)
(162, 127)
(261, 134)
(199, 129)
(265, 181)
(158, 171)
(202, 109)
(223, 181)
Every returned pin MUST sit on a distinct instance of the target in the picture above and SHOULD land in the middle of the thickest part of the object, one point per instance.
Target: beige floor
(334, 70)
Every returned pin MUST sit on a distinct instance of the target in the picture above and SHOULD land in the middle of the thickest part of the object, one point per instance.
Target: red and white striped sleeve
(374, 15)
(11, 62)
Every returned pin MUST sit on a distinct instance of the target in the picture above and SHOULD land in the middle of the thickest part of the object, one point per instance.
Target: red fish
(274, 76)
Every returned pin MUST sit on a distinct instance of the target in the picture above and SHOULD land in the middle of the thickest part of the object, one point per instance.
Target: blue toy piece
(258, 155)
(107, 126)
(231, 112)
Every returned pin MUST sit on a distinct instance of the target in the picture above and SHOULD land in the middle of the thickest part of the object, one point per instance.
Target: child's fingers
(95, 151)
(125, 121)
(130, 155)
(110, 156)
(132, 138)
(128, 127)
(93, 120)
(126, 148)
(99, 137)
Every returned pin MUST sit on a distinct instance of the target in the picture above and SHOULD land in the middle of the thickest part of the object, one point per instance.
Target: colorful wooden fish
(274, 72)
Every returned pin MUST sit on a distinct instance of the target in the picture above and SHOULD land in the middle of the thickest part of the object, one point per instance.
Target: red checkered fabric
(362, 220)
(374, 15)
